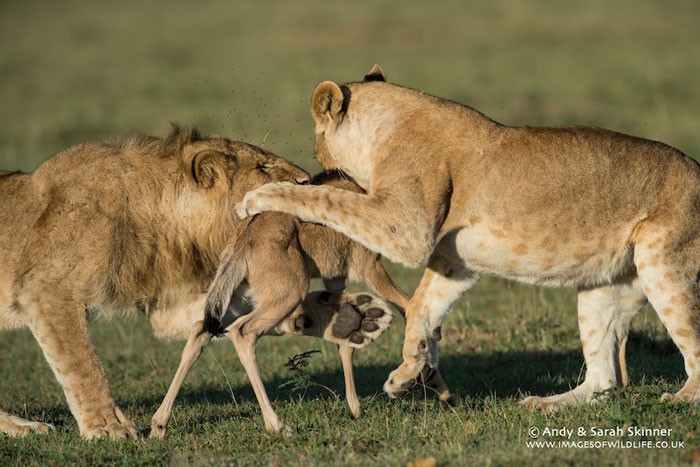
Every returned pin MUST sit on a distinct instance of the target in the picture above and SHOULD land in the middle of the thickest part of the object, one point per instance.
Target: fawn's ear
(207, 167)
(375, 74)
(326, 103)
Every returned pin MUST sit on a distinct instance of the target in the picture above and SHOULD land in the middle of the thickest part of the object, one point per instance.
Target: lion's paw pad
(361, 319)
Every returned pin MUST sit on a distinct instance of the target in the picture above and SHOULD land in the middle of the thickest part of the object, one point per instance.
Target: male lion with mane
(614, 215)
(116, 228)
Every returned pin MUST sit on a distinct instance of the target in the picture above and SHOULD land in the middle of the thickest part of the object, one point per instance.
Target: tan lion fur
(119, 228)
(614, 215)
(270, 263)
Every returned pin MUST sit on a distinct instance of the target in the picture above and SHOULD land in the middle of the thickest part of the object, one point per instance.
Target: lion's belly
(175, 321)
(544, 258)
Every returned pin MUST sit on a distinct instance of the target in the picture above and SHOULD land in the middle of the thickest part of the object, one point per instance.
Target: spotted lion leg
(604, 317)
(441, 285)
(668, 263)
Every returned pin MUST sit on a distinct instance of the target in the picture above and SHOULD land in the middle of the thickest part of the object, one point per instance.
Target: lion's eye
(263, 167)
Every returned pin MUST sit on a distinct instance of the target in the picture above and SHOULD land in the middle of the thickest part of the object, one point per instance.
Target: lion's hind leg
(16, 426)
(604, 317)
(669, 267)
(351, 319)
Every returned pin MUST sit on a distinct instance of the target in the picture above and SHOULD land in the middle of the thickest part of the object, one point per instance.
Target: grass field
(73, 71)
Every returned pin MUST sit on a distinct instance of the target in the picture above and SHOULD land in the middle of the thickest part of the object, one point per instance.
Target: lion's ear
(207, 166)
(326, 103)
(375, 74)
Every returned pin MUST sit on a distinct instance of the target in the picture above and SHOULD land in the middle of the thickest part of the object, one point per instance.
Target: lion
(110, 229)
(614, 215)
(271, 261)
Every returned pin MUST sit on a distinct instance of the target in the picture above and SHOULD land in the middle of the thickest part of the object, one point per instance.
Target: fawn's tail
(231, 273)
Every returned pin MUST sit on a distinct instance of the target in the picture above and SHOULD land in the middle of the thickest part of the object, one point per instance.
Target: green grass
(73, 71)
(493, 349)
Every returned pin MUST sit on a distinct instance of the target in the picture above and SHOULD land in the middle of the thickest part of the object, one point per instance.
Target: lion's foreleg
(349, 320)
(401, 231)
(61, 330)
(440, 286)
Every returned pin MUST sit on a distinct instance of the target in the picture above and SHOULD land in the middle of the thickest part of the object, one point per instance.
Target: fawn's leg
(198, 340)
(244, 334)
(353, 407)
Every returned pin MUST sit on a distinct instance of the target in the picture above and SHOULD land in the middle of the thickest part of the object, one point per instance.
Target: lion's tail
(231, 273)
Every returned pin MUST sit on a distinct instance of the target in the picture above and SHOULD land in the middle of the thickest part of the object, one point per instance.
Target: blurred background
(73, 71)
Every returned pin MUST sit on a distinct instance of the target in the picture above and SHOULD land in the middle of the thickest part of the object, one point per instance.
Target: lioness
(119, 228)
(614, 215)
(270, 263)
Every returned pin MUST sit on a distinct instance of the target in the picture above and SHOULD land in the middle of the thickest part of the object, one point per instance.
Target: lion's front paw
(347, 319)
(249, 206)
(112, 431)
(114, 425)
(262, 199)
(241, 210)
(403, 379)
(540, 404)
(585, 393)
(681, 397)
(40, 427)
(17, 426)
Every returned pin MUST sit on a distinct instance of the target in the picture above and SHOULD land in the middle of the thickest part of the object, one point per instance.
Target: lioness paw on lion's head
(449, 189)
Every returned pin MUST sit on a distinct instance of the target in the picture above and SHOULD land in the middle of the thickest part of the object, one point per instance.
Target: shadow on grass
(501, 375)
